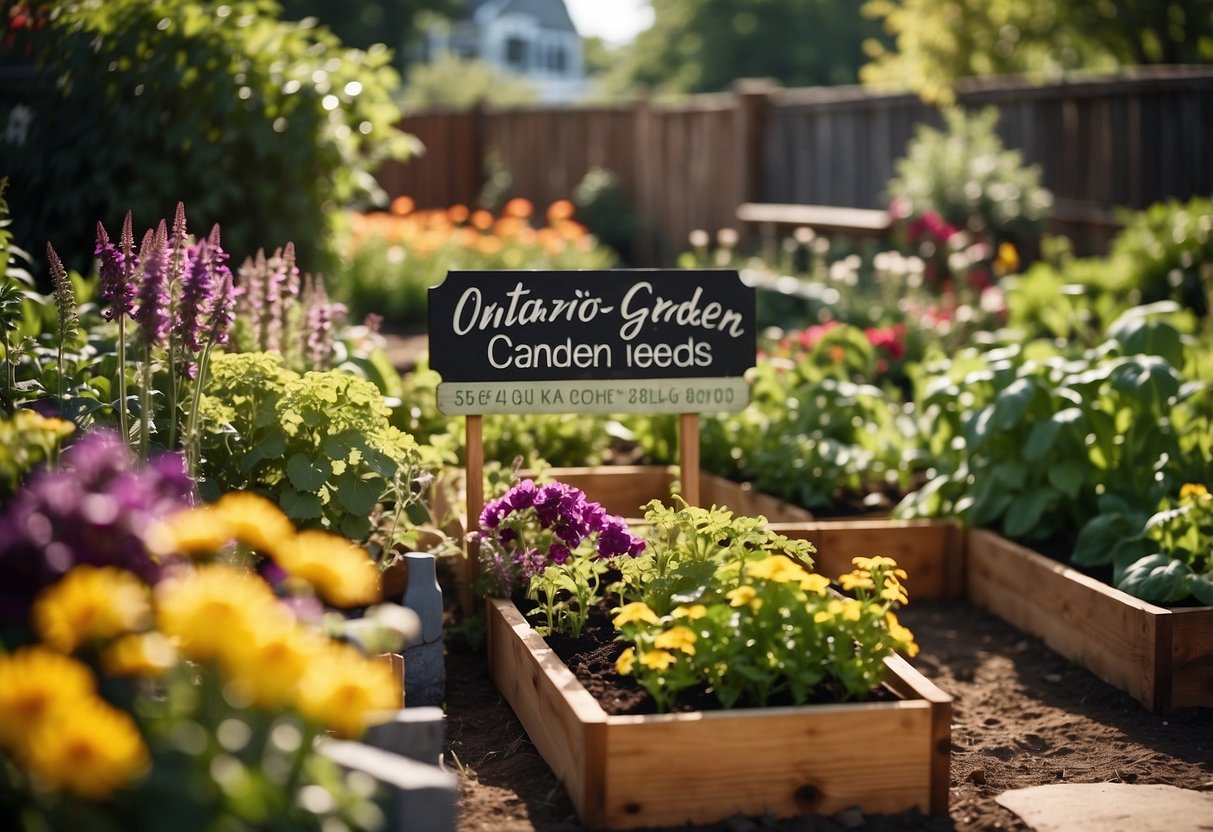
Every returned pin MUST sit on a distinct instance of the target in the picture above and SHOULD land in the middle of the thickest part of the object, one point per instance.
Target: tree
(450, 82)
(936, 42)
(362, 23)
(705, 45)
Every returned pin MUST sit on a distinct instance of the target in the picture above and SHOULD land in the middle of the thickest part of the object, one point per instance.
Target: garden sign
(626, 341)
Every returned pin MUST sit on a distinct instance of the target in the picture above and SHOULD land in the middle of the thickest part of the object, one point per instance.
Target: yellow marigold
(1193, 489)
(852, 610)
(869, 564)
(197, 532)
(623, 664)
(777, 568)
(255, 521)
(692, 612)
(341, 572)
(657, 659)
(893, 591)
(212, 609)
(677, 638)
(35, 682)
(139, 654)
(91, 749)
(270, 665)
(856, 580)
(90, 604)
(741, 596)
(345, 691)
(637, 611)
(901, 634)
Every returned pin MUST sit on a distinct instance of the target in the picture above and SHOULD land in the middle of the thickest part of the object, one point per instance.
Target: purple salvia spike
(291, 269)
(271, 331)
(152, 314)
(130, 266)
(223, 312)
(178, 263)
(197, 292)
(321, 317)
(110, 270)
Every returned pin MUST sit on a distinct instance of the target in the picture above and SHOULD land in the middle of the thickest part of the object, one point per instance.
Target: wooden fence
(1102, 143)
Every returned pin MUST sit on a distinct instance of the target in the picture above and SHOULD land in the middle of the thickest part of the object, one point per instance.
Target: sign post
(618, 341)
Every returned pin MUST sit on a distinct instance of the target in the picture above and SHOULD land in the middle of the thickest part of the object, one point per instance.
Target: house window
(557, 60)
(516, 52)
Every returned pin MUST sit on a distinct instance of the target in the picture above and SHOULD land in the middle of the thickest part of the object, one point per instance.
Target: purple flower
(615, 539)
(65, 296)
(321, 315)
(94, 508)
(152, 314)
(531, 562)
(197, 296)
(118, 265)
(223, 308)
(490, 515)
(521, 496)
(558, 554)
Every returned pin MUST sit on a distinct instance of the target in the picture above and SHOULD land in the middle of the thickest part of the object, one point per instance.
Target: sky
(615, 21)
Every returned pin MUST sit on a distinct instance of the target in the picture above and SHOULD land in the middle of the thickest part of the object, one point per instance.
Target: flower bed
(636, 771)
(1162, 657)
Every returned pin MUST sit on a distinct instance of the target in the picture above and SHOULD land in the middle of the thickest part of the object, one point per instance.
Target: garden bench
(858, 223)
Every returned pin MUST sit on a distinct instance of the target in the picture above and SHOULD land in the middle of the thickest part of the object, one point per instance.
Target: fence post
(750, 129)
(645, 149)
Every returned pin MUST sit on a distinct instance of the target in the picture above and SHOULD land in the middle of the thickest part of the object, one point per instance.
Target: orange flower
(518, 207)
(457, 214)
(482, 219)
(559, 210)
(402, 205)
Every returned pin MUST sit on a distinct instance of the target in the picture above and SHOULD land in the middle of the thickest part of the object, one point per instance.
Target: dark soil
(1022, 716)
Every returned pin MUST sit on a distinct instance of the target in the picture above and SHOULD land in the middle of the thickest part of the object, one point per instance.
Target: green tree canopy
(936, 42)
(451, 82)
(362, 23)
(705, 45)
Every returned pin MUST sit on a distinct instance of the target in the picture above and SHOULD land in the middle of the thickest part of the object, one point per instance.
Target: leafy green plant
(321, 444)
(741, 614)
(218, 104)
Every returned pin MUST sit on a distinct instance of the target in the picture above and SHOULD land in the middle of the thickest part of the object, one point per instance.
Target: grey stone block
(422, 798)
(416, 733)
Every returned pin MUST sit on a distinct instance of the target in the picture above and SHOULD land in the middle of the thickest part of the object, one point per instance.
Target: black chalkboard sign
(644, 340)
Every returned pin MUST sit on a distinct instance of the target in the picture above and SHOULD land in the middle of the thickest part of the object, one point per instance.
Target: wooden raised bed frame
(1161, 657)
(636, 771)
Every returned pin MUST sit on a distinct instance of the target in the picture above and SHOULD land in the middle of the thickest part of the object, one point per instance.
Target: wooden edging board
(661, 770)
(1162, 657)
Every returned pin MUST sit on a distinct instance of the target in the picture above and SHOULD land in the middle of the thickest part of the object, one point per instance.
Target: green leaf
(1150, 380)
(300, 506)
(1067, 477)
(1096, 539)
(1011, 474)
(272, 446)
(1201, 587)
(355, 528)
(1158, 578)
(1040, 440)
(1012, 402)
(1023, 516)
(357, 495)
(1137, 334)
(308, 474)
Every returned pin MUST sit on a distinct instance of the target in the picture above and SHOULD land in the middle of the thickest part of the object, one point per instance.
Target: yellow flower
(633, 612)
(870, 564)
(35, 682)
(851, 609)
(814, 583)
(692, 612)
(1193, 489)
(623, 664)
(91, 749)
(270, 665)
(198, 532)
(1007, 261)
(893, 591)
(90, 604)
(341, 573)
(344, 691)
(213, 609)
(901, 634)
(777, 568)
(139, 654)
(742, 595)
(677, 638)
(856, 580)
(254, 521)
(657, 659)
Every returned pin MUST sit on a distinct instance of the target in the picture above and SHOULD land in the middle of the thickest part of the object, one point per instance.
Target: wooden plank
(1191, 657)
(1110, 633)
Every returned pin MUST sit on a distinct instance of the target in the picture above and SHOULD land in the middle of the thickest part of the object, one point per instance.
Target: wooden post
(688, 456)
(474, 489)
(750, 126)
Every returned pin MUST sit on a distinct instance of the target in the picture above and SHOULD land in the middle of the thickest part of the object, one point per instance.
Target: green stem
(123, 420)
(145, 409)
(172, 392)
(60, 367)
(192, 439)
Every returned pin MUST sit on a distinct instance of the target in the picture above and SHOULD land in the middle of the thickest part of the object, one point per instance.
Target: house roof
(550, 14)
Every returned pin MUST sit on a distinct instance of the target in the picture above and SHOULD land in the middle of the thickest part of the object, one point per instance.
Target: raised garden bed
(704, 766)
(1162, 657)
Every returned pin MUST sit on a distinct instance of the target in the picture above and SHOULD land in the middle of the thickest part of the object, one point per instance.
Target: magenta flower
(153, 312)
(118, 265)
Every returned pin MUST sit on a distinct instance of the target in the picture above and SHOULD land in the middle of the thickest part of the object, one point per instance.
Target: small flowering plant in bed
(721, 604)
(554, 544)
(166, 665)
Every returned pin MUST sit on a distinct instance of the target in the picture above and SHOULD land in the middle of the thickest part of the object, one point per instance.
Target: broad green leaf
(1201, 587)
(1067, 477)
(299, 506)
(1138, 334)
(1024, 514)
(1158, 578)
(308, 474)
(271, 446)
(1096, 539)
(1010, 473)
(355, 527)
(357, 495)
(1012, 402)
(1150, 380)
(1040, 440)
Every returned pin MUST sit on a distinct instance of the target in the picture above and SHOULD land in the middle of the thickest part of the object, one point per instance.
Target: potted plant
(704, 584)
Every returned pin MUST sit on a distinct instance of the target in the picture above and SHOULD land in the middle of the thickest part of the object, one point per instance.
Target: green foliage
(27, 441)
(364, 23)
(605, 211)
(937, 42)
(1166, 253)
(452, 83)
(1027, 439)
(265, 125)
(964, 174)
(321, 444)
(705, 45)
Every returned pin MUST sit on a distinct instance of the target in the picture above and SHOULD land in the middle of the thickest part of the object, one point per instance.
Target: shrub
(265, 124)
